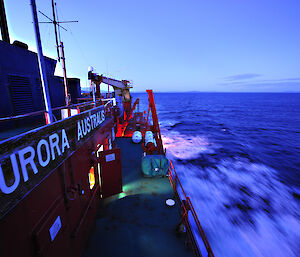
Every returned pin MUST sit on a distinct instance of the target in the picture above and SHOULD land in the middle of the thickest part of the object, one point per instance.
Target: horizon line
(273, 92)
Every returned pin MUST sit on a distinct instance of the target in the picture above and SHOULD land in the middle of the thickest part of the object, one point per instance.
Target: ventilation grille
(21, 95)
(39, 93)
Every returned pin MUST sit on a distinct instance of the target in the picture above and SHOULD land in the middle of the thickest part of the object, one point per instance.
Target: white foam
(167, 123)
(183, 147)
(274, 229)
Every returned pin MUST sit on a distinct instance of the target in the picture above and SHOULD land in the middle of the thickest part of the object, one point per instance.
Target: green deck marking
(137, 222)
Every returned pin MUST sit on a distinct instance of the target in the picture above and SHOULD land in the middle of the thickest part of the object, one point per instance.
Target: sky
(200, 45)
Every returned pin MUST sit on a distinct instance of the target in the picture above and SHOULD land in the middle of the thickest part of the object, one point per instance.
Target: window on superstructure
(91, 176)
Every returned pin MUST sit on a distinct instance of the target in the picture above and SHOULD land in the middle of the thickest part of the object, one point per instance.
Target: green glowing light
(145, 186)
(121, 195)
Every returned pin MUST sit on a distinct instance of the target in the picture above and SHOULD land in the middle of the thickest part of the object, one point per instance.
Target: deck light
(170, 202)
(91, 177)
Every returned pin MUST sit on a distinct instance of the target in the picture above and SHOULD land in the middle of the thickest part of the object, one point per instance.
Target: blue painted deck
(137, 222)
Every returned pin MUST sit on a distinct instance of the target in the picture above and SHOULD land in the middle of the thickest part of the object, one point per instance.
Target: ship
(84, 175)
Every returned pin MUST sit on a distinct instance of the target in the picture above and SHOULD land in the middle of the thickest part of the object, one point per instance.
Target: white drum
(149, 138)
(136, 137)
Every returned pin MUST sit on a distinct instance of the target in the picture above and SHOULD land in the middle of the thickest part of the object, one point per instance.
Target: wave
(168, 123)
(243, 205)
(244, 208)
(183, 147)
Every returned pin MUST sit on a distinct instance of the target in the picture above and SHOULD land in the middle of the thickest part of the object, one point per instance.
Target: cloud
(242, 76)
(281, 80)
(288, 85)
(295, 80)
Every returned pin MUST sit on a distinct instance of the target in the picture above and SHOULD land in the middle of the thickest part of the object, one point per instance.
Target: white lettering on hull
(44, 143)
(9, 189)
(44, 151)
(89, 123)
(25, 161)
(64, 139)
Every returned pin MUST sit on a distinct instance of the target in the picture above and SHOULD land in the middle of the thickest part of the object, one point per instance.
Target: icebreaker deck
(137, 222)
(63, 174)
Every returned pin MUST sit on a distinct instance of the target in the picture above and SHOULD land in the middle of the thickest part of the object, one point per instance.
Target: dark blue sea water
(238, 156)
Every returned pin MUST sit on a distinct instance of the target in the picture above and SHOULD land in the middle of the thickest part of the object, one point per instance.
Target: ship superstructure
(79, 185)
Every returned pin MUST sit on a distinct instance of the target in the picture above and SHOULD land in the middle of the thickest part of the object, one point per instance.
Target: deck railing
(80, 107)
(189, 215)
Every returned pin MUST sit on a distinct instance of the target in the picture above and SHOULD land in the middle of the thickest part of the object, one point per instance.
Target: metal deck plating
(137, 222)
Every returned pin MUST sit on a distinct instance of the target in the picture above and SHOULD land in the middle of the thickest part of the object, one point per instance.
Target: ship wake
(243, 207)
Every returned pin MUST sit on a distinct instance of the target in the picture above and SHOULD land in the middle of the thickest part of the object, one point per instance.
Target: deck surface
(137, 222)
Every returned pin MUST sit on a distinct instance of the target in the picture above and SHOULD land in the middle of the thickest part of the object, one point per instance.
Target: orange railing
(188, 209)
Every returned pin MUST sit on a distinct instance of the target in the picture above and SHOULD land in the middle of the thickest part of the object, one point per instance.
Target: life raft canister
(137, 137)
(149, 138)
(150, 142)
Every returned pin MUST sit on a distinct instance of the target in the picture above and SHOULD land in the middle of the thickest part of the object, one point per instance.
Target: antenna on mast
(55, 30)
(59, 45)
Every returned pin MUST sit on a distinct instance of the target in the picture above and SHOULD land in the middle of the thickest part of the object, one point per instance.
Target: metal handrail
(21, 116)
(108, 102)
(176, 181)
(31, 114)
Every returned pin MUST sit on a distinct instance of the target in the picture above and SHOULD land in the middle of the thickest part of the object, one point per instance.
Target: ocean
(238, 157)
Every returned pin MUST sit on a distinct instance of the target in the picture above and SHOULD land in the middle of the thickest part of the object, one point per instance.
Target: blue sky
(225, 45)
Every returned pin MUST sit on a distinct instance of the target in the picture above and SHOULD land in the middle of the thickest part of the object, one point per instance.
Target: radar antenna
(59, 45)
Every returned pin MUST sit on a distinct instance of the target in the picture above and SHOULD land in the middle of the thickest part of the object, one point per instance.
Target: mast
(55, 29)
(3, 23)
(59, 45)
(60, 53)
(65, 72)
(42, 67)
